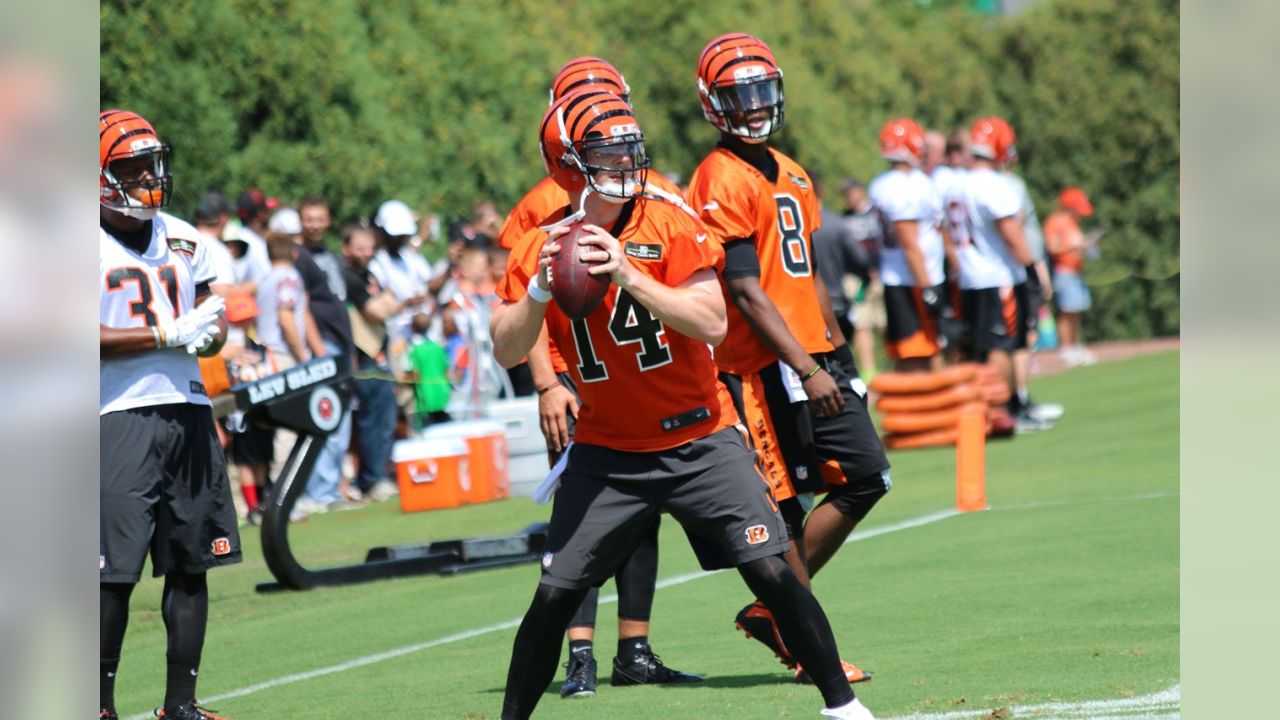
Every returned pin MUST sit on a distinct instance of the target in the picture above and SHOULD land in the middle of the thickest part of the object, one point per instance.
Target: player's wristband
(155, 332)
(543, 391)
(811, 373)
(539, 295)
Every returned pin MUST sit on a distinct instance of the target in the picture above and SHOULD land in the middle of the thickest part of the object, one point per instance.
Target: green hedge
(438, 103)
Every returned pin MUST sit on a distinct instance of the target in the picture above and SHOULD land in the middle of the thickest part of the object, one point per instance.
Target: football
(576, 291)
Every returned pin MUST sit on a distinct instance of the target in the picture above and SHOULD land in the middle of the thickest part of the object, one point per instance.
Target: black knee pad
(792, 511)
(856, 499)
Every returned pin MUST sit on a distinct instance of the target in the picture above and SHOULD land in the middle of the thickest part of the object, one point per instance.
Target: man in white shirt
(911, 249)
(986, 228)
(401, 269)
(163, 480)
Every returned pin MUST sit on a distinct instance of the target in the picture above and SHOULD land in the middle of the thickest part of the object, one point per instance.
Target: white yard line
(1163, 705)
(857, 536)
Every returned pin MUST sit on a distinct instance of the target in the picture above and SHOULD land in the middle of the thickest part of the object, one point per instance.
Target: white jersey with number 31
(137, 291)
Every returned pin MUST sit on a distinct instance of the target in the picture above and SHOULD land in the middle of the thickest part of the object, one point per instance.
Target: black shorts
(164, 489)
(609, 498)
(910, 331)
(986, 327)
(818, 452)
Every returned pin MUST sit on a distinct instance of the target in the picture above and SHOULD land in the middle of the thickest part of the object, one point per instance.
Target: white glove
(194, 330)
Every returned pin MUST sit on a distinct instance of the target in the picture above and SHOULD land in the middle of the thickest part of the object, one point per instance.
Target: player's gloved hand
(824, 394)
(191, 328)
(933, 300)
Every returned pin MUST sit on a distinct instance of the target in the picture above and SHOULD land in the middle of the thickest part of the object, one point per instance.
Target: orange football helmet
(588, 73)
(902, 140)
(134, 177)
(592, 139)
(737, 75)
(993, 139)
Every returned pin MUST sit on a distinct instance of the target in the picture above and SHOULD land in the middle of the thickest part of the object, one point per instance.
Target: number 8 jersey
(736, 200)
(138, 291)
(644, 387)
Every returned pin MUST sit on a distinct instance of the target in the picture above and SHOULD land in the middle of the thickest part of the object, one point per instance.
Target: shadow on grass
(718, 682)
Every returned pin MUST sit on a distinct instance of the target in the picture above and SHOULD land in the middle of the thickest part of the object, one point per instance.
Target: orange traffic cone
(971, 460)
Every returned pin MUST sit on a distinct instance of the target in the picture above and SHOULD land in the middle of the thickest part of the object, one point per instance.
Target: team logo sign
(326, 408)
(757, 534)
(221, 546)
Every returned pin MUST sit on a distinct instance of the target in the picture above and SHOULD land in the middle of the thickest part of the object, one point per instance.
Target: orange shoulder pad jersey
(644, 388)
(544, 200)
(736, 201)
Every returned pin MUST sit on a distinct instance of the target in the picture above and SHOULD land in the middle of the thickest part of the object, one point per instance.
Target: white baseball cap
(285, 220)
(395, 218)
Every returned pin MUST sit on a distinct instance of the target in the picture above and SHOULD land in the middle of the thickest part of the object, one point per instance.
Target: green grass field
(1065, 590)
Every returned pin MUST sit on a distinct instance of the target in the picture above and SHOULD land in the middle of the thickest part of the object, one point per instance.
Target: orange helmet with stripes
(133, 164)
(737, 78)
(902, 140)
(588, 73)
(993, 139)
(590, 138)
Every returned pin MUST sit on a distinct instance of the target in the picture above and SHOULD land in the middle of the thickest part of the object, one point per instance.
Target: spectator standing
(282, 304)
(370, 307)
(1066, 245)
(400, 269)
(869, 317)
(212, 212)
(329, 334)
(838, 255)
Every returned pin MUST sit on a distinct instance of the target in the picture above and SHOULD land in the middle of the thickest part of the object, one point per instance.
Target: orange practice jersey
(736, 201)
(544, 200)
(643, 387)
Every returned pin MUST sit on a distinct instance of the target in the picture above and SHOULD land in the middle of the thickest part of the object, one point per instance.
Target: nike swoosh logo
(700, 237)
(713, 205)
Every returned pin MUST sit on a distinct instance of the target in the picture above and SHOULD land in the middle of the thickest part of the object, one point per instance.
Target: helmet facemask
(752, 90)
(138, 183)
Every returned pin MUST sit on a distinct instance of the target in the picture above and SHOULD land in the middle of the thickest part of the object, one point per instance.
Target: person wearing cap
(212, 211)
(1066, 245)
(254, 210)
(400, 269)
(328, 333)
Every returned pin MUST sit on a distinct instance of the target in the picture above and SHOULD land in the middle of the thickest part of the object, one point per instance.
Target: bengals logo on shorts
(757, 534)
(221, 546)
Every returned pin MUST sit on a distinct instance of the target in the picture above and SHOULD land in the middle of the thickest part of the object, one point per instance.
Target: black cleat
(580, 676)
(190, 711)
(643, 667)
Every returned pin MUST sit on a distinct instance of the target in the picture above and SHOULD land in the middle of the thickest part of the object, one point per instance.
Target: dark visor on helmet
(763, 93)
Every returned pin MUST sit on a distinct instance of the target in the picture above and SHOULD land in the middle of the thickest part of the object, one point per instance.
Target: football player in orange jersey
(784, 358)
(635, 662)
(680, 450)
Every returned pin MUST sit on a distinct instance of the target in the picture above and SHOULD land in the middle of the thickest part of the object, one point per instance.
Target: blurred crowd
(414, 330)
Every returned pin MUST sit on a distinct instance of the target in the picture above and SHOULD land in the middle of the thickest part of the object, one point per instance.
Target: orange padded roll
(901, 383)
(946, 398)
(930, 438)
(922, 421)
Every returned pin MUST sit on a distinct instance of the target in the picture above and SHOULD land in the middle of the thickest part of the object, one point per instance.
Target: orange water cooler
(489, 477)
(431, 472)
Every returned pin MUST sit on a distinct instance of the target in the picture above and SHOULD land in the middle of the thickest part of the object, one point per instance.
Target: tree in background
(438, 103)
